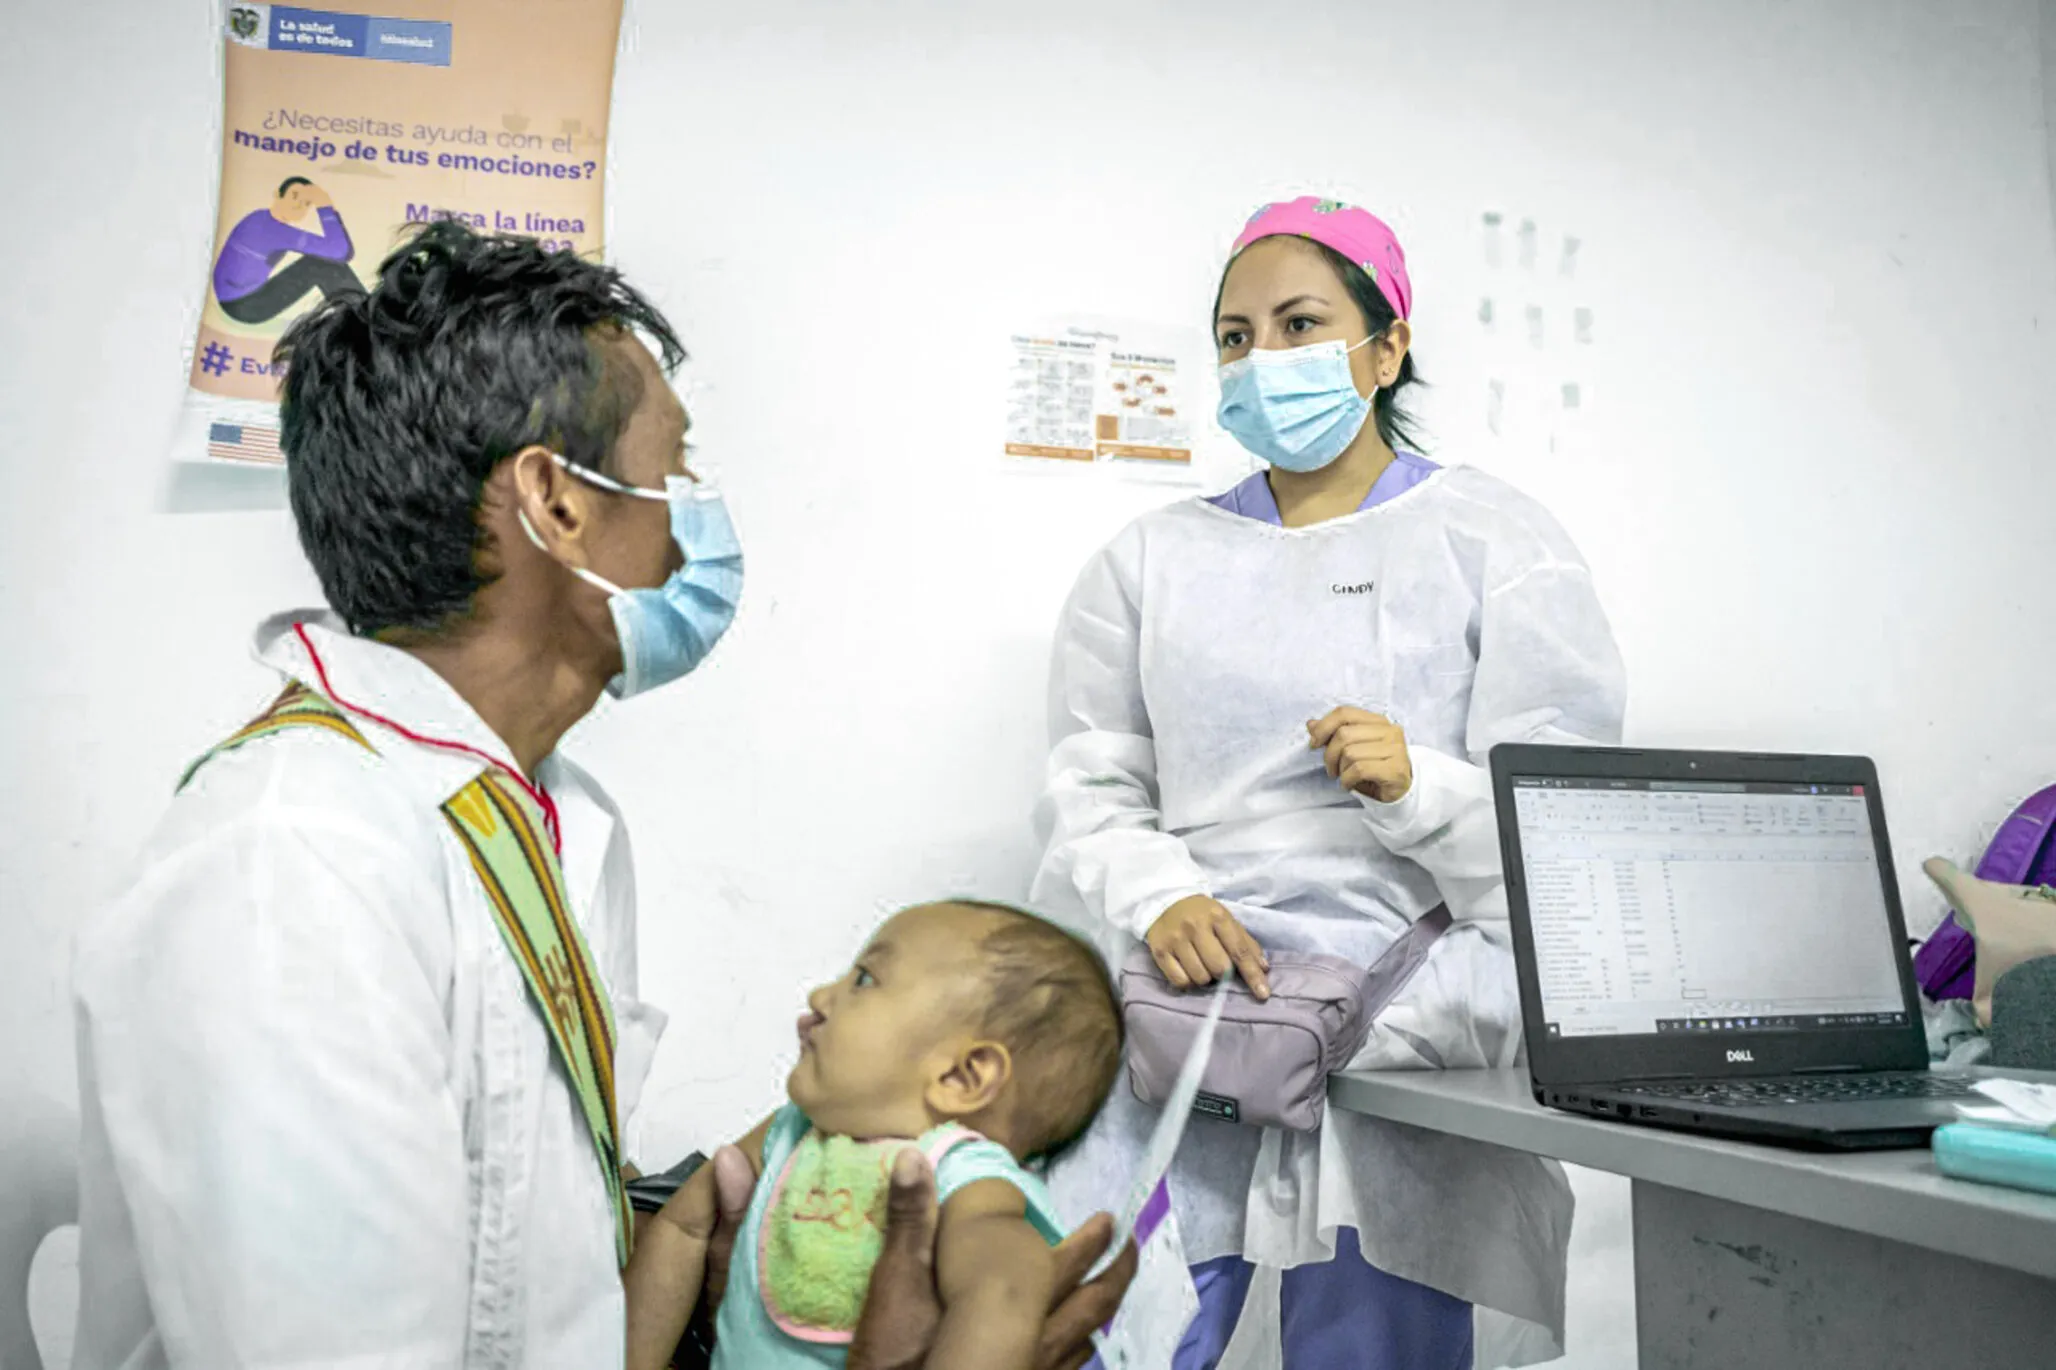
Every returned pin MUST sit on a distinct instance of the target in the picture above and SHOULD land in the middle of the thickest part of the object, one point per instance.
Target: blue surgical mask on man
(667, 630)
(1296, 407)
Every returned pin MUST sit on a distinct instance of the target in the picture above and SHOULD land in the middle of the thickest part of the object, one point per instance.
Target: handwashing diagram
(1050, 397)
(1087, 390)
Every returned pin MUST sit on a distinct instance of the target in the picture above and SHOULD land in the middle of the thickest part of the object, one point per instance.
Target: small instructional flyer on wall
(346, 126)
(1113, 393)
(1050, 397)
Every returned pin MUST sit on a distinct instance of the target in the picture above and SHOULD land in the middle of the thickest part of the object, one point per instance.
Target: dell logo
(1736, 1056)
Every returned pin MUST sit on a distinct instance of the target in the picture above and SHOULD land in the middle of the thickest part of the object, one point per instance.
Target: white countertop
(1898, 1195)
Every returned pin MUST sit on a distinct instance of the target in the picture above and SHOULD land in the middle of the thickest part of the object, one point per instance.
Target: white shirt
(323, 1120)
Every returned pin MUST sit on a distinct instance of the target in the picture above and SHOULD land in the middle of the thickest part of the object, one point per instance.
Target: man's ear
(972, 1082)
(558, 509)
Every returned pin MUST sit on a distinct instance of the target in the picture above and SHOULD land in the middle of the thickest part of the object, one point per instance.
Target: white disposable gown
(1192, 654)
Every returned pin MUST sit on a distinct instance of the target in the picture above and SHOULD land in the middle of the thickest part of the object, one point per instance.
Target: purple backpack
(2022, 853)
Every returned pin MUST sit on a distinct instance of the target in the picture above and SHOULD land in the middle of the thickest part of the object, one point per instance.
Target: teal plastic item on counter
(1997, 1155)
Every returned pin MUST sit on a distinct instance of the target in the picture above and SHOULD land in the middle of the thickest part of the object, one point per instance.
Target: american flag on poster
(244, 442)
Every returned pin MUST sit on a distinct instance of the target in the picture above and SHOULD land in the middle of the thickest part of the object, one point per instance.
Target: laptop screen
(1692, 906)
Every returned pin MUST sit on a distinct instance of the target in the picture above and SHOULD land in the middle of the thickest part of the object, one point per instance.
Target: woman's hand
(735, 1180)
(1078, 1310)
(1365, 752)
(902, 1309)
(681, 1251)
(1197, 940)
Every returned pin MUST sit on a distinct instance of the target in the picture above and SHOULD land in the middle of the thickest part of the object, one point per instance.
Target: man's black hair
(289, 182)
(396, 405)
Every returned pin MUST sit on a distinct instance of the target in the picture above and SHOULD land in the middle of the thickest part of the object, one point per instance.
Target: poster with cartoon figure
(301, 222)
(343, 127)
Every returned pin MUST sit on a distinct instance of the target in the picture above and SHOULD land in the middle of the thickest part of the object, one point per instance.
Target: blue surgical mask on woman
(668, 630)
(1296, 407)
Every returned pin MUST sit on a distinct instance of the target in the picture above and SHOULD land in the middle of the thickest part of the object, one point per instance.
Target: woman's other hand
(1364, 752)
(902, 1308)
(1079, 1308)
(1197, 940)
(680, 1263)
(734, 1181)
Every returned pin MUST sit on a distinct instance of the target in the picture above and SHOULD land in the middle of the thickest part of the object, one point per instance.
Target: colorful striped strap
(298, 707)
(503, 833)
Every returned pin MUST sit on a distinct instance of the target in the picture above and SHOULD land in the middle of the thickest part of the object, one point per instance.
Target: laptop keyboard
(1807, 1089)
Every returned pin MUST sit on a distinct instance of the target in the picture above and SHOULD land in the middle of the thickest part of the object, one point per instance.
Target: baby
(983, 1037)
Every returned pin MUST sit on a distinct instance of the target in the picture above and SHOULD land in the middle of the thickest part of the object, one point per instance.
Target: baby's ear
(972, 1082)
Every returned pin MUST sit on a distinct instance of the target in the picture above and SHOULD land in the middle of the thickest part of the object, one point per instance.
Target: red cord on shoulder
(535, 792)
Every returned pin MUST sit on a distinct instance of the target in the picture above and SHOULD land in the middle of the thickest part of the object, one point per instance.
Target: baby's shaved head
(1048, 997)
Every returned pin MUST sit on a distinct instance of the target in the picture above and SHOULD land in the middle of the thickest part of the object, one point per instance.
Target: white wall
(1816, 487)
(2049, 95)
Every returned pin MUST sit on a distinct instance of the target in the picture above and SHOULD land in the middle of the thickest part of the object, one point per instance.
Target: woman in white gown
(1271, 711)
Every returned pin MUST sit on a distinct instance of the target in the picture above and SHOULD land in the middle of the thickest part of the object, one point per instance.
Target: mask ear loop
(606, 482)
(592, 578)
(1376, 385)
(1284, 354)
(667, 495)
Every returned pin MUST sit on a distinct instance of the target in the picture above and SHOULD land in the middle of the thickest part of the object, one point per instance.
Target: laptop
(1713, 942)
